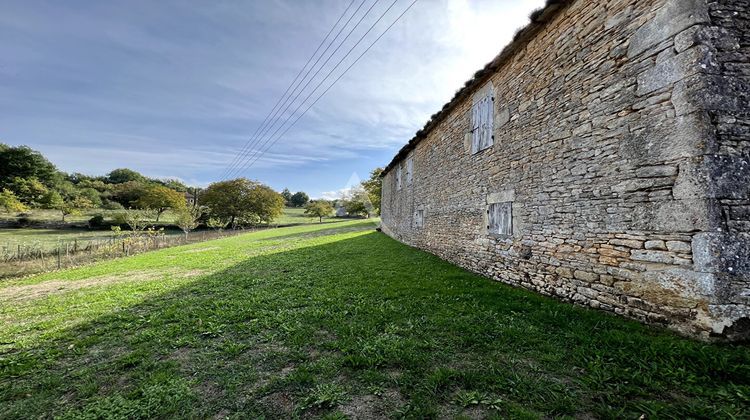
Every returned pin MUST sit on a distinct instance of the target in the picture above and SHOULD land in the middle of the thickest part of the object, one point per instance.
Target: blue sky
(175, 88)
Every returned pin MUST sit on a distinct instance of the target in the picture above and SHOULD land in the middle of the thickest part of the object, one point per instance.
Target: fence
(28, 259)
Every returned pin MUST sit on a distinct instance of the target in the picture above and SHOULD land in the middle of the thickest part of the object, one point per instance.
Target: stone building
(604, 158)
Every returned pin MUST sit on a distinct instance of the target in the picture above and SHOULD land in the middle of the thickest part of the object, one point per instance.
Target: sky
(175, 89)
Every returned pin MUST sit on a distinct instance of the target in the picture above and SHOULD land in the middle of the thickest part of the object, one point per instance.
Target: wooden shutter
(482, 116)
(476, 124)
(419, 218)
(499, 219)
(409, 170)
(487, 121)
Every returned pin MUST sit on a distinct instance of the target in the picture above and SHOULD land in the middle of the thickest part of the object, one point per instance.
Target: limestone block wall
(622, 143)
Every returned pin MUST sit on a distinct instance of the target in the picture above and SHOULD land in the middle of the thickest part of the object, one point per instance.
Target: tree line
(29, 181)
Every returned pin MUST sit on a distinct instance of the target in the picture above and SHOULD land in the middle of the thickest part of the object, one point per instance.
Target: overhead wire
(268, 145)
(278, 114)
(271, 114)
(292, 102)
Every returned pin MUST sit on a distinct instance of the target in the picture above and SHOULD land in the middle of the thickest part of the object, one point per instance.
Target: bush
(120, 218)
(24, 221)
(112, 205)
(97, 221)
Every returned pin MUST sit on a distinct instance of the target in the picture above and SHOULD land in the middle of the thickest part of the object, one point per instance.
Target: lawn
(335, 320)
(296, 215)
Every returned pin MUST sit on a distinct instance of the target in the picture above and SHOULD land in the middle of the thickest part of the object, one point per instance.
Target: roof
(539, 19)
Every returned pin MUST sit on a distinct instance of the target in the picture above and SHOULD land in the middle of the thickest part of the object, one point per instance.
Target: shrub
(10, 202)
(120, 218)
(97, 221)
(112, 205)
(24, 221)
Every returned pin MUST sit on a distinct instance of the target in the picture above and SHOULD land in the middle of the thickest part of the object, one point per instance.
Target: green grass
(335, 320)
(291, 215)
(295, 216)
(49, 239)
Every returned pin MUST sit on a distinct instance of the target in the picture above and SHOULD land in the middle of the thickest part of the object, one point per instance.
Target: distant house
(340, 210)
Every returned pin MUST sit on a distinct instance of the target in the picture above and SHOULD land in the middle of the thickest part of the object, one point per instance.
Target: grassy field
(335, 321)
(293, 216)
(49, 238)
(290, 216)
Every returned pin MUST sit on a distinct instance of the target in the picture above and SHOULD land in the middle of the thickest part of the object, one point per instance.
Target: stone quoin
(603, 158)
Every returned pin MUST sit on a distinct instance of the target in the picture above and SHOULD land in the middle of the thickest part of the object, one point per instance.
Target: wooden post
(58, 256)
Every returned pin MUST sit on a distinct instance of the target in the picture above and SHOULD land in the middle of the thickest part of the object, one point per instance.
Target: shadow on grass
(366, 322)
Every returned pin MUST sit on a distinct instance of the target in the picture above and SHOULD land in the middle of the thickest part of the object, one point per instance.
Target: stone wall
(622, 141)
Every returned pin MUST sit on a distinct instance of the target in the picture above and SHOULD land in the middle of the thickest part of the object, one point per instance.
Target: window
(500, 219)
(482, 116)
(398, 177)
(409, 170)
(419, 218)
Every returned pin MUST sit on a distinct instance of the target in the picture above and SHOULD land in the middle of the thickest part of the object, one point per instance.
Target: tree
(265, 203)
(175, 184)
(92, 195)
(29, 190)
(216, 223)
(374, 188)
(128, 193)
(137, 220)
(53, 200)
(160, 199)
(96, 184)
(356, 207)
(319, 209)
(299, 199)
(25, 163)
(122, 175)
(287, 196)
(74, 206)
(242, 200)
(188, 219)
(10, 202)
(357, 203)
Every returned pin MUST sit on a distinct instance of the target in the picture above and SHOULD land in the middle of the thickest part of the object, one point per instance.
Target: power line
(290, 103)
(265, 120)
(250, 163)
(278, 108)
